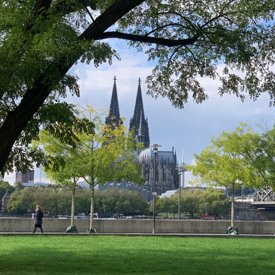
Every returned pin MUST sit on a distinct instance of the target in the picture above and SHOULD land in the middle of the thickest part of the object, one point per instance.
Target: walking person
(38, 219)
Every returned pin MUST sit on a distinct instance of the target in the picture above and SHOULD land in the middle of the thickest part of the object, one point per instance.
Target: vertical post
(179, 203)
(242, 192)
(154, 192)
(181, 175)
(154, 214)
(232, 204)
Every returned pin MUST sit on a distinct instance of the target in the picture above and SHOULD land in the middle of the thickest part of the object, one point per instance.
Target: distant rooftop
(168, 194)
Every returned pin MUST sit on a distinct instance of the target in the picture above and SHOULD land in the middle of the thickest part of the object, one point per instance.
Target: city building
(159, 170)
(24, 177)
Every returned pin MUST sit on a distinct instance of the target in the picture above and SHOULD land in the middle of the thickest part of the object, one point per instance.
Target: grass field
(135, 255)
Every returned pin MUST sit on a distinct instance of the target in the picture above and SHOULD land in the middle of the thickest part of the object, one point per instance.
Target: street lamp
(238, 182)
(154, 192)
(241, 184)
(181, 180)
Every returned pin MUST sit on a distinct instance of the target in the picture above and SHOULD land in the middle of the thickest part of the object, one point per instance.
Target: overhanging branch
(148, 39)
(109, 17)
(40, 5)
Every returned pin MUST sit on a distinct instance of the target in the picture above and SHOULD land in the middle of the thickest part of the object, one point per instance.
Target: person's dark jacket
(38, 217)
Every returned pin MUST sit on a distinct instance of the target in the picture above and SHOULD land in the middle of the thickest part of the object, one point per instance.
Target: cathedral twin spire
(138, 123)
(113, 119)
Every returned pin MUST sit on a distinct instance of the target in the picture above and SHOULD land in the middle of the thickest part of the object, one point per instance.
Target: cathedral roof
(163, 156)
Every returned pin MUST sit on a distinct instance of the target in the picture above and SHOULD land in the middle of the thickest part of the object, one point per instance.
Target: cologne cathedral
(159, 168)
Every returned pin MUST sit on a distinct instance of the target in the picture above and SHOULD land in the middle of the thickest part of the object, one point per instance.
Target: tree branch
(40, 6)
(164, 26)
(109, 17)
(148, 39)
(91, 16)
(172, 56)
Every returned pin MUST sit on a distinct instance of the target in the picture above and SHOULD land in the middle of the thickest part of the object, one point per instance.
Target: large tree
(62, 166)
(60, 158)
(238, 157)
(108, 155)
(40, 40)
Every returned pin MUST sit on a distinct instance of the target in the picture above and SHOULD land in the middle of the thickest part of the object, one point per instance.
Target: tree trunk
(73, 205)
(91, 227)
(18, 119)
(33, 99)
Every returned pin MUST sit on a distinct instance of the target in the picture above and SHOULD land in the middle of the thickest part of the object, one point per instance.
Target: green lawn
(135, 255)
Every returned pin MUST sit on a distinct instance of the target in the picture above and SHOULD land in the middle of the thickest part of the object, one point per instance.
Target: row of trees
(115, 202)
(57, 201)
(195, 203)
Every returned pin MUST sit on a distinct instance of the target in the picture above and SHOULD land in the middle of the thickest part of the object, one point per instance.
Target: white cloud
(96, 84)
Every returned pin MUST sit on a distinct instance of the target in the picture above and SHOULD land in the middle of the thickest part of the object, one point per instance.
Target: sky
(188, 130)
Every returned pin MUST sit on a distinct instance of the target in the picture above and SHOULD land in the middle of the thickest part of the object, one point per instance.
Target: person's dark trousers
(40, 229)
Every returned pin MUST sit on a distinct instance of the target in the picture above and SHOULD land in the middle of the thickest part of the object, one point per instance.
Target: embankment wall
(139, 226)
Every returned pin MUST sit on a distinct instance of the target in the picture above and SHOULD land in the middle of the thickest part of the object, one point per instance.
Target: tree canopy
(5, 187)
(227, 40)
(240, 156)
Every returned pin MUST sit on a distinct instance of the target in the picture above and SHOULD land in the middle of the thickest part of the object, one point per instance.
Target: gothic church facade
(159, 170)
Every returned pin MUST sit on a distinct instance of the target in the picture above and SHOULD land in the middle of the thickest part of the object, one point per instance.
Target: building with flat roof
(24, 177)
